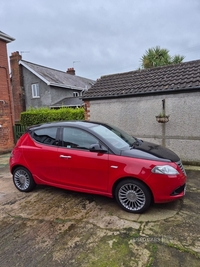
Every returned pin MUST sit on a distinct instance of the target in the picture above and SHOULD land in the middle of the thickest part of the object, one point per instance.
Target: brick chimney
(71, 71)
(17, 85)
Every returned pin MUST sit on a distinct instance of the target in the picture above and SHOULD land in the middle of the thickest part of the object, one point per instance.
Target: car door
(79, 167)
(43, 156)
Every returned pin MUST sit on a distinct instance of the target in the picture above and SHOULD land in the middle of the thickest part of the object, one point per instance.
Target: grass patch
(110, 251)
(153, 249)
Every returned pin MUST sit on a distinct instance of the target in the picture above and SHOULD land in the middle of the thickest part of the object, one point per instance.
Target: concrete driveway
(54, 227)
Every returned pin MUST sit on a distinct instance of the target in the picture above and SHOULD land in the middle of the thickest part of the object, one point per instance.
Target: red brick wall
(17, 88)
(87, 110)
(6, 110)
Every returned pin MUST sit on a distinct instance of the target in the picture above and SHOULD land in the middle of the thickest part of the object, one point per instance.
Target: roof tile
(160, 79)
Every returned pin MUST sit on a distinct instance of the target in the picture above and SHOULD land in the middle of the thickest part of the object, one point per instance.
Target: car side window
(77, 138)
(46, 136)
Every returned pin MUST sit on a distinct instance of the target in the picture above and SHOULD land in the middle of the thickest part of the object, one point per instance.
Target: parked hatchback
(97, 158)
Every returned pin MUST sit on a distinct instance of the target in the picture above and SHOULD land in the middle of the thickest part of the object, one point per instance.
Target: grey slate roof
(171, 78)
(5, 37)
(69, 102)
(58, 78)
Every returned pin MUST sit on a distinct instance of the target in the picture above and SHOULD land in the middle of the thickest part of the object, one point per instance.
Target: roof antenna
(21, 52)
(75, 62)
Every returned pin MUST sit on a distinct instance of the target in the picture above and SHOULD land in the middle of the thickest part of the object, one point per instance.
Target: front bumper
(181, 189)
(167, 188)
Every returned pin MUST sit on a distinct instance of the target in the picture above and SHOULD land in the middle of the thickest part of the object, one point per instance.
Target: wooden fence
(18, 131)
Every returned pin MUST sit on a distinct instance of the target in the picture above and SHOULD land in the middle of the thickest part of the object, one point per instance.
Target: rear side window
(46, 136)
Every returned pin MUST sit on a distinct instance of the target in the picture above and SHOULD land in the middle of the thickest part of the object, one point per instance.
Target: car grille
(179, 163)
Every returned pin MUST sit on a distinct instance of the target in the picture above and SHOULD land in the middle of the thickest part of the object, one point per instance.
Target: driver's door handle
(65, 157)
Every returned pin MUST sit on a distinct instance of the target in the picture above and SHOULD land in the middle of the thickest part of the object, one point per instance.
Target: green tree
(157, 56)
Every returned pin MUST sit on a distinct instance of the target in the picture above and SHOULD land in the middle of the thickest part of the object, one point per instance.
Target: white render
(136, 115)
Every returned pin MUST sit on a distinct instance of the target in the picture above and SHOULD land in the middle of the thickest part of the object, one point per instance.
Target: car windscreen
(114, 136)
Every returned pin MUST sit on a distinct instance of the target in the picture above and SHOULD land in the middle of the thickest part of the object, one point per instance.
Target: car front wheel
(23, 179)
(133, 196)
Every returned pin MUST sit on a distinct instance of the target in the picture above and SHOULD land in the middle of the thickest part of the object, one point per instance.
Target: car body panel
(83, 169)
(95, 171)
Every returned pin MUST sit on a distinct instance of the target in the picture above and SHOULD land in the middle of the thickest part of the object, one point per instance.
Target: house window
(75, 94)
(35, 90)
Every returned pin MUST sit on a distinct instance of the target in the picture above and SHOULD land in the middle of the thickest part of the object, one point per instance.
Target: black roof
(171, 78)
(85, 124)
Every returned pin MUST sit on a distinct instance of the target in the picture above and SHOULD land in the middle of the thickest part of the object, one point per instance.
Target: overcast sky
(99, 37)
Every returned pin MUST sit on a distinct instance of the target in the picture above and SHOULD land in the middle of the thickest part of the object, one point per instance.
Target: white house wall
(136, 115)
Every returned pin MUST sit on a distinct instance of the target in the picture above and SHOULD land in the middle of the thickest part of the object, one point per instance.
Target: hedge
(42, 115)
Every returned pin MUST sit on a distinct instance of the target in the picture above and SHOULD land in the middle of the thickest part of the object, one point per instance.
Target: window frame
(54, 143)
(35, 90)
(75, 94)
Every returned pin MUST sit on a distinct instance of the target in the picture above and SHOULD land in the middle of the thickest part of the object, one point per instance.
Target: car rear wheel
(133, 196)
(23, 179)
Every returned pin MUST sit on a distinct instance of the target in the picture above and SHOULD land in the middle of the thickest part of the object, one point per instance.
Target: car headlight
(165, 169)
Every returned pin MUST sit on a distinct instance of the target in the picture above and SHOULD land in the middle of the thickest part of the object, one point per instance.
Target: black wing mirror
(97, 148)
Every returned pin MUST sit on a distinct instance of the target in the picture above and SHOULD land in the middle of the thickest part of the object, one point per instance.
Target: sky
(99, 37)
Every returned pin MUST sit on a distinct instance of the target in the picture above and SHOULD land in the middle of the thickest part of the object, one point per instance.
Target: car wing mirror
(97, 148)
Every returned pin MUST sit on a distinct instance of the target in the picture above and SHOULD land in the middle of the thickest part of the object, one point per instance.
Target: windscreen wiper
(136, 143)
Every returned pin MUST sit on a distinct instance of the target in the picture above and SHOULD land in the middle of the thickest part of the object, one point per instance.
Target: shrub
(41, 115)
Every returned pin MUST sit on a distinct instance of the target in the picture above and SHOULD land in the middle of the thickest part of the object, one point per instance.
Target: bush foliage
(42, 115)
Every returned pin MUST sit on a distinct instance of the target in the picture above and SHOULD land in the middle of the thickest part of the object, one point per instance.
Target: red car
(97, 158)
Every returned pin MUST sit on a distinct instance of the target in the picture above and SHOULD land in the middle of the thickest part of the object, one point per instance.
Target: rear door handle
(65, 157)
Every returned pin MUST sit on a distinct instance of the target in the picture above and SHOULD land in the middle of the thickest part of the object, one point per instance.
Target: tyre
(133, 196)
(23, 180)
